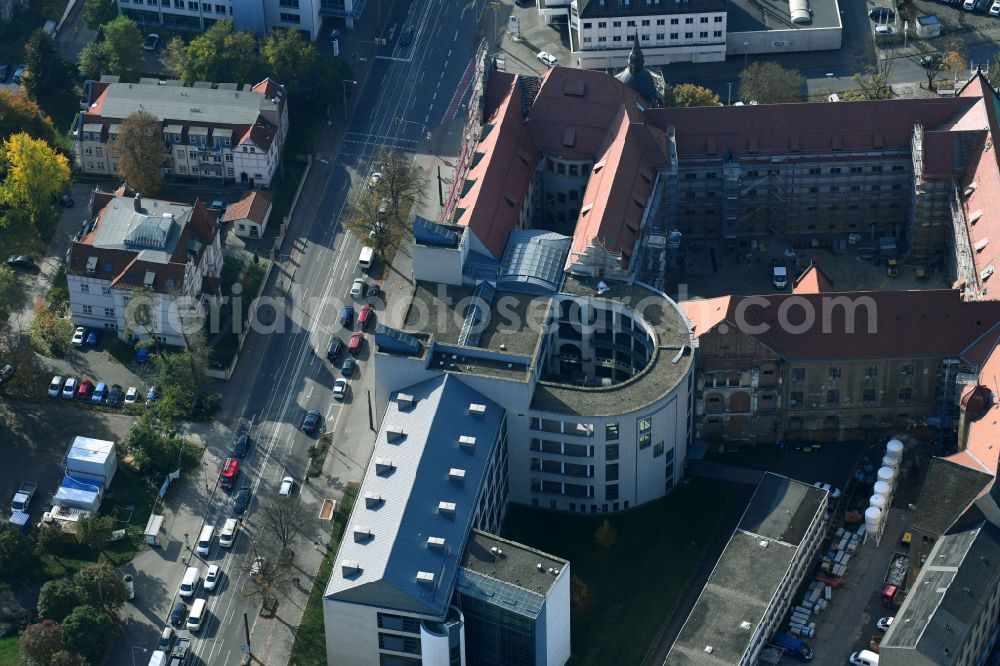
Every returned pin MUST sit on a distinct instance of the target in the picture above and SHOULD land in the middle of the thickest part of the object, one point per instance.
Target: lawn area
(303, 125)
(310, 638)
(8, 652)
(639, 581)
(224, 347)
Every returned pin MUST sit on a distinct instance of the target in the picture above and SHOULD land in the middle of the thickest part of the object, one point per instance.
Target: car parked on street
(358, 288)
(19, 74)
(178, 613)
(79, 335)
(6, 372)
(99, 393)
(66, 201)
(115, 395)
(287, 484)
(833, 490)
(166, 639)
(884, 623)
(212, 577)
(86, 388)
(69, 388)
(242, 500)
(21, 261)
(334, 349)
(367, 313)
(229, 474)
(153, 394)
(340, 389)
(242, 445)
(152, 41)
(406, 37)
(310, 422)
(93, 338)
(347, 367)
(881, 14)
(347, 316)
(131, 395)
(55, 386)
(356, 344)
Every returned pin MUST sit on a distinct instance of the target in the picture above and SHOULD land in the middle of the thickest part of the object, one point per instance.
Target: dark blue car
(347, 316)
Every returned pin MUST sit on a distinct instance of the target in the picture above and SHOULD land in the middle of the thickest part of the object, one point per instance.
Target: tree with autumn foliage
(18, 113)
(35, 176)
(140, 152)
(688, 94)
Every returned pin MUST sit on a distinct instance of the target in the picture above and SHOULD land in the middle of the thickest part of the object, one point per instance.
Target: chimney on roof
(137, 203)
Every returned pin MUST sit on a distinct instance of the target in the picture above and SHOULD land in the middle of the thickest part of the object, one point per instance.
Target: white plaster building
(224, 134)
(147, 248)
(260, 16)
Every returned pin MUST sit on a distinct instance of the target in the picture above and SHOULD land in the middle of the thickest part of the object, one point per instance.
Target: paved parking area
(711, 272)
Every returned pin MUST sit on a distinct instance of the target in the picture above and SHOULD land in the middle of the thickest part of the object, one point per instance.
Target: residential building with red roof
(249, 215)
(229, 133)
(135, 258)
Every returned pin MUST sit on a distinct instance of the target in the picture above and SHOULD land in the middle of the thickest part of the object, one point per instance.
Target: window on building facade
(689, 21)
(703, 19)
(717, 33)
(289, 18)
(645, 432)
(868, 396)
(871, 372)
(795, 399)
(611, 432)
(688, 35)
(658, 449)
(905, 395)
(109, 312)
(798, 374)
(906, 370)
(616, 24)
(87, 309)
(673, 21)
(611, 452)
(611, 472)
(611, 492)
(835, 373)
(832, 398)
(106, 291)
(717, 19)
(84, 288)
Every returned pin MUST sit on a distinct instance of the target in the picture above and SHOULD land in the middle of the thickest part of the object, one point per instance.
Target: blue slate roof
(411, 489)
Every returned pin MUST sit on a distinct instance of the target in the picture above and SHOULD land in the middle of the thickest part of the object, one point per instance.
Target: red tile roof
(982, 445)
(255, 207)
(813, 281)
(886, 324)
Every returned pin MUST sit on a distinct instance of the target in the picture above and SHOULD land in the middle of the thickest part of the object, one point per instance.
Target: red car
(230, 472)
(367, 314)
(357, 343)
(86, 388)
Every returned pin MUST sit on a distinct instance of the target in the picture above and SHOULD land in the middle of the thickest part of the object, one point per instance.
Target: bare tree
(285, 520)
(873, 82)
(402, 183)
(268, 573)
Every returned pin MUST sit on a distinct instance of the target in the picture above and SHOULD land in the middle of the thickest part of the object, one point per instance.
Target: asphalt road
(282, 373)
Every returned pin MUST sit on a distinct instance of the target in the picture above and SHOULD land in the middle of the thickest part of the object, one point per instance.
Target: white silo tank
(882, 488)
(890, 462)
(873, 520)
(888, 475)
(894, 448)
(878, 502)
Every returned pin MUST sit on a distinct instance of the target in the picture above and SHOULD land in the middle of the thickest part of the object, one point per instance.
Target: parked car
(129, 586)
(21, 261)
(18, 74)
(86, 388)
(242, 446)
(367, 312)
(166, 639)
(334, 349)
(547, 59)
(79, 335)
(881, 14)
(995, 8)
(373, 179)
(93, 338)
(347, 316)
(884, 30)
(152, 41)
(229, 474)
(287, 484)
(310, 422)
(69, 388)
(115, 395)
(833, 490)
(358, 288)
(55, 386)
(242, 500)
(340, 389)
(212, 577)
(131, 395)
(178, 613)
(153, 394)
(219, 205)
(356, 344)
(884, 623)
(6, 372)
(347, 367)
(99, 393)
(66, 201)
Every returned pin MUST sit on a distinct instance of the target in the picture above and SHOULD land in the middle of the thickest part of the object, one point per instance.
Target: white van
(197, 616)
(159, 658)
(189, 584)
(228, 534)
(205, 539)
(367, 257)
(864, 658)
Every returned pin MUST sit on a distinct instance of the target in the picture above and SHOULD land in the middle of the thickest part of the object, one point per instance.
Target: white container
(888, 475)
(873, 519)
(877, 501)
(882, 488)
(895, 448)
(890, 462)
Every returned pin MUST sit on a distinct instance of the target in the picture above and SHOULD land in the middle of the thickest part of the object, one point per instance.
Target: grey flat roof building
(194, 106)
(951, 610)
(767, 553)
